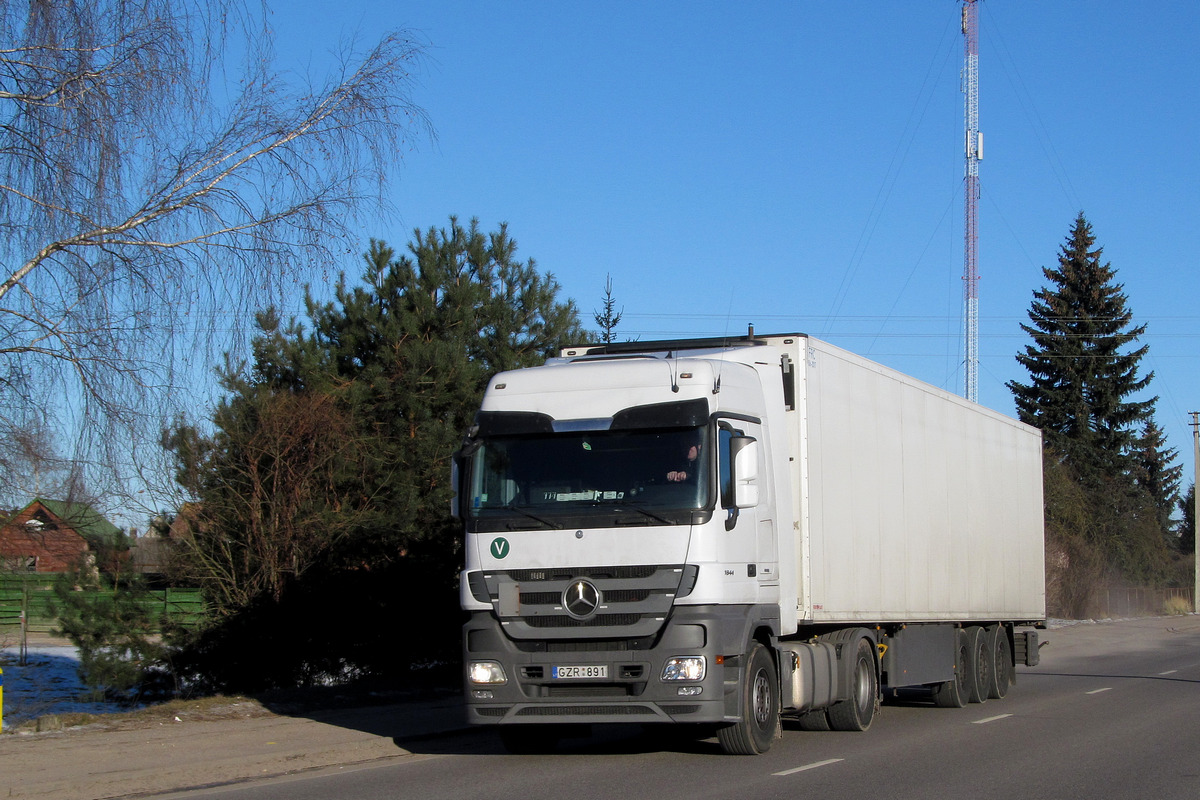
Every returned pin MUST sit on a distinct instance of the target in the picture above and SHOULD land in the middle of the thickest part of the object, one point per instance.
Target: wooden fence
(1115, 603)
(36, 599)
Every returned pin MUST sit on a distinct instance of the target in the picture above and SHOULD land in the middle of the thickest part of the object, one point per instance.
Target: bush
(398, 626)
(106, 618)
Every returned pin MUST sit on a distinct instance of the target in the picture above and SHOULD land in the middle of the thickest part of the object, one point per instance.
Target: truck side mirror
(744, 450)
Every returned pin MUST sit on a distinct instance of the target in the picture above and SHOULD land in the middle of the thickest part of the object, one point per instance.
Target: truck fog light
(486, 672)
(684, 668)
(483, 694)
(689, 691)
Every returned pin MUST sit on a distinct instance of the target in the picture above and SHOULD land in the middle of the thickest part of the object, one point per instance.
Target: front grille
(600, 620)
(616, 690)
(635, 601)
(567, 573)
(615, 596)
(592, 711)
(540, 598)
(674, 710)
(584, 645)
(492, 712)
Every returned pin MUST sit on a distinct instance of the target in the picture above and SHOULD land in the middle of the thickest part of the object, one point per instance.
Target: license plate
(586, 672)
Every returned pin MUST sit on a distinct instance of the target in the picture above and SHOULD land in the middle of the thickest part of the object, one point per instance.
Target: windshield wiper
(531, 515)
(647, 512)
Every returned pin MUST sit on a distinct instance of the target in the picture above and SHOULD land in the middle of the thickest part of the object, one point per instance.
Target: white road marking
(990, 719)
(1098, 691)
(1169, 672)
(824, 763)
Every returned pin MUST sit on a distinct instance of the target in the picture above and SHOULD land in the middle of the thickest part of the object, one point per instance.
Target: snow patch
(48, 683)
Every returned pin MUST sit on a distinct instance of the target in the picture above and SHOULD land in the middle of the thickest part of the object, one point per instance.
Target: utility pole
(974, 153)
(1196, 506)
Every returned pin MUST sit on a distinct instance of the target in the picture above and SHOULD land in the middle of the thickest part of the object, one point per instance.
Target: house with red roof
(52, 535)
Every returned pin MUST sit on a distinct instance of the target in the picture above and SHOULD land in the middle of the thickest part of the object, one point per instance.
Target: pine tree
(365, 405)
(328, 473)
(1082, 370)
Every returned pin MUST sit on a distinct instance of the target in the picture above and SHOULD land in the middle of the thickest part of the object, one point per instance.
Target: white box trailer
(920, 505)
(720, 531)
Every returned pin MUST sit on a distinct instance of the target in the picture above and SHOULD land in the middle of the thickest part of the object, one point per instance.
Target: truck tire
(858, 712)
(956, 692)
(756, 731)
(814, 721)
(1002, 663)
(980, 664)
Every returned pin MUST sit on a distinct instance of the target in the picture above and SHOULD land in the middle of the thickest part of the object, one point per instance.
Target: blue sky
(799, 165)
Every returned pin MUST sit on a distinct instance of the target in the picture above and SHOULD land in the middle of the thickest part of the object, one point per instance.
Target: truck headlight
(684, 668)
(486, 672)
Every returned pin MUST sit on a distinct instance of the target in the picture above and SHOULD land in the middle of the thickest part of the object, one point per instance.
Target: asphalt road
(1111, 712)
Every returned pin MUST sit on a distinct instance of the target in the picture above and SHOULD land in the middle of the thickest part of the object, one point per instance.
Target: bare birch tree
(159, 181)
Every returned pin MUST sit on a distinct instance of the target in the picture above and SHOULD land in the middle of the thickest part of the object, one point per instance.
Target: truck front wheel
(760, 708)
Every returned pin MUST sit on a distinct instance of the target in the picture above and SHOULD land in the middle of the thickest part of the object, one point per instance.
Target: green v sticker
(499, 547)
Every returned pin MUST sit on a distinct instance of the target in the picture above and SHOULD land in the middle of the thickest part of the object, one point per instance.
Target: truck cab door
(748, 545)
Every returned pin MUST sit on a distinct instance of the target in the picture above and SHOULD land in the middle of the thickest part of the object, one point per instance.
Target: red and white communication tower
(974, 150)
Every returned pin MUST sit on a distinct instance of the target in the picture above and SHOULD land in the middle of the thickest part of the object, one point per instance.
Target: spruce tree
(1083, 362)
(609, 318)
(1187, 522)
(1158, 474)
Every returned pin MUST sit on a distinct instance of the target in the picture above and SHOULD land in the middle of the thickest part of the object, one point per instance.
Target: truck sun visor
(677, 414)
(509, 423)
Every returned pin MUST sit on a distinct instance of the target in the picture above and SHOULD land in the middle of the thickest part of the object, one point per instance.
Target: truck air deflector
(667, 345)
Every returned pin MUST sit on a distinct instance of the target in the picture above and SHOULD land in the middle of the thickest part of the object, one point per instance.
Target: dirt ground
(190, 744)
(156, 752)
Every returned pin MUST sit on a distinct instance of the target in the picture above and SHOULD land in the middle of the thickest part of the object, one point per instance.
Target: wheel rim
(863, 693)
(762, 698)
(984, 667)
(1003, 665)
(962, 677)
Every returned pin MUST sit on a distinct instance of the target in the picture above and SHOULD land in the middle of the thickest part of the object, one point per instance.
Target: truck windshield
(609, 478)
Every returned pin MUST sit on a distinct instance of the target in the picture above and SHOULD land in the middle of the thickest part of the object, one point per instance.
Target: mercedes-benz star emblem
(581, 599)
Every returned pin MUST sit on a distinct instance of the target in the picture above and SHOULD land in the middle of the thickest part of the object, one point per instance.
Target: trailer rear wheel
(980, 664)
(857, 712)
(760, 708)
(1002, 664)
(956, 692)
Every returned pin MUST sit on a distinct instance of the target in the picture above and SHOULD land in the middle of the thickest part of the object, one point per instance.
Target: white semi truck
(722, 531)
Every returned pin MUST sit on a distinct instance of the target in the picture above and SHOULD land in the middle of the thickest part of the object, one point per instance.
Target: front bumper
(633, 690)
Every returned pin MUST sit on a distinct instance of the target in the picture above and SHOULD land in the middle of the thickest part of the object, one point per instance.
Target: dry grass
(1177, 606)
